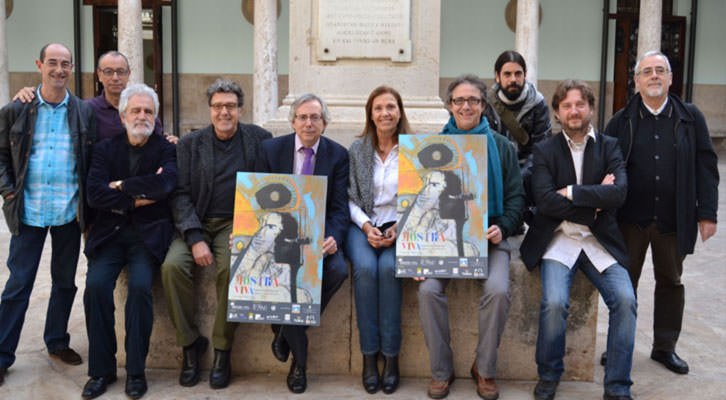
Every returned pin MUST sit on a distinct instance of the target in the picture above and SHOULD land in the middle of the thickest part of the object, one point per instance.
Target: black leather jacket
(17, 126)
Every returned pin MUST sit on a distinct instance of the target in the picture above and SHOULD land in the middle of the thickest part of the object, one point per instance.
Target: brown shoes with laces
(440, 389)
(486, 388)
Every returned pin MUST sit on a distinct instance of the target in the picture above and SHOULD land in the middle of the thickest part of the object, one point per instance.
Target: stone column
(651, 14)
(527, 35)
(130, 40)
(264, 80)
(344, 57)
(4, 73)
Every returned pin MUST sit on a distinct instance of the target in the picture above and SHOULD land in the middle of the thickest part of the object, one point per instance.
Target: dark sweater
(652, 172)
(228, 159)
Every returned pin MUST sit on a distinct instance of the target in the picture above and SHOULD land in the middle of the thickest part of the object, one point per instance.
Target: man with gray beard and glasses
(672, 193)
(129, 181)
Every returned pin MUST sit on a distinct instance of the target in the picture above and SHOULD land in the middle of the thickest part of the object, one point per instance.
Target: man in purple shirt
(113, 72)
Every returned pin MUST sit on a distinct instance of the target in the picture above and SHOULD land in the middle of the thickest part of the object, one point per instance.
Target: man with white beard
(129, 181)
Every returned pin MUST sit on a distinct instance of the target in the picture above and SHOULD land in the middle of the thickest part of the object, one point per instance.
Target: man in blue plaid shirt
(45, 149)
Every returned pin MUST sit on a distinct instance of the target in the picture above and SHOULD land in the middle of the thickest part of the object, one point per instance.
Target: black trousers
(335, 270)
(128, 250)
(667, 269)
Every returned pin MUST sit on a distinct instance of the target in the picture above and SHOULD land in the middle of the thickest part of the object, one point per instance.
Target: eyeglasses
(220, 106)
(314, 118)
(473, 101)
(108, 72)
(63, 64)
(648, 71)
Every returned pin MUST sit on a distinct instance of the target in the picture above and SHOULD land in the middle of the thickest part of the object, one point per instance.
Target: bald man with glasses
(113, 72)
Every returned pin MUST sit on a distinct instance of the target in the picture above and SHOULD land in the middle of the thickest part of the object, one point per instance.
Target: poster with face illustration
(276, 261)
(442, 206)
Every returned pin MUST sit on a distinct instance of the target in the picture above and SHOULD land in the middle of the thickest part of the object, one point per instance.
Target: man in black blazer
(129, 181)
(307, 152)
(578, 182)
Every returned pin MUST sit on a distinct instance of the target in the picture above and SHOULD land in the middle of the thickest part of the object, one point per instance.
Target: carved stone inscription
(364, 29)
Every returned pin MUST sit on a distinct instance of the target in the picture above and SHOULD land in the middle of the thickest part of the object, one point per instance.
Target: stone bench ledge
(334, 346)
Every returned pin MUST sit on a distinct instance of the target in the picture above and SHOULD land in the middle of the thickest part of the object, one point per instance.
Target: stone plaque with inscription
(364, 29)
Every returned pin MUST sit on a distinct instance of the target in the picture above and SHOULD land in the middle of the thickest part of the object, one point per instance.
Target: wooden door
(105, 38)
(626, 47)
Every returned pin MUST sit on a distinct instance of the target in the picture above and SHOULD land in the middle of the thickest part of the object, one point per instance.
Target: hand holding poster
(442, 206)
(277, 241)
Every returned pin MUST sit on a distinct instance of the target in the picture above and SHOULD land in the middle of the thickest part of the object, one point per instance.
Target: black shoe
(391, 377)
(221, 371)
(67, 355)
(280, 348)
(2, 375)
(604, 358)
(545, 390)
(136, 386)
(297, 382)
(371, 382)
(616, 397)
(190, 364)
(97, 386)
(670, 360)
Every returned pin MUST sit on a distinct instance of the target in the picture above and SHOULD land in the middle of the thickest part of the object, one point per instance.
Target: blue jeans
(377, 294)
(617, 292)
(127, 249)
(23, 261)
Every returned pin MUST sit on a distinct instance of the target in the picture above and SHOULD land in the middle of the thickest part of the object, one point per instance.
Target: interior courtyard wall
(473, 34)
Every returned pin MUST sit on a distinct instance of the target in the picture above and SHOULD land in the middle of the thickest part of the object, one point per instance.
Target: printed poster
(442, 206)
(276, 262)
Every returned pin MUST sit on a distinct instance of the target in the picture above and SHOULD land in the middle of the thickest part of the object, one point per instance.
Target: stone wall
(334, 347)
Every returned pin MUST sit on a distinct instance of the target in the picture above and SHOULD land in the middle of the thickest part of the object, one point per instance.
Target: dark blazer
(697, 174)
(195, 159)
(554, 169)
(277, 156)
(110, 162)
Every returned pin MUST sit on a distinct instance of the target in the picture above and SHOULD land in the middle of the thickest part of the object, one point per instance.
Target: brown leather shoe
(440, 389)
(486, 388)
(67, 355)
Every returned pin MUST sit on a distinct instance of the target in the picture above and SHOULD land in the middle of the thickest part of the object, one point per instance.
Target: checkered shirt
(51, 183)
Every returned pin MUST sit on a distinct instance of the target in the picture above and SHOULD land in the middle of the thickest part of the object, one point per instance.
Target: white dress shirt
(659, 110)
(571, 238)
(385, 192)
(300, 156)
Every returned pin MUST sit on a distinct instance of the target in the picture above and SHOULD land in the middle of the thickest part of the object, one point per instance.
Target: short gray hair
(471, 79)
(137, 89)
(225, 86)
(304, 99)
(648, 54)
